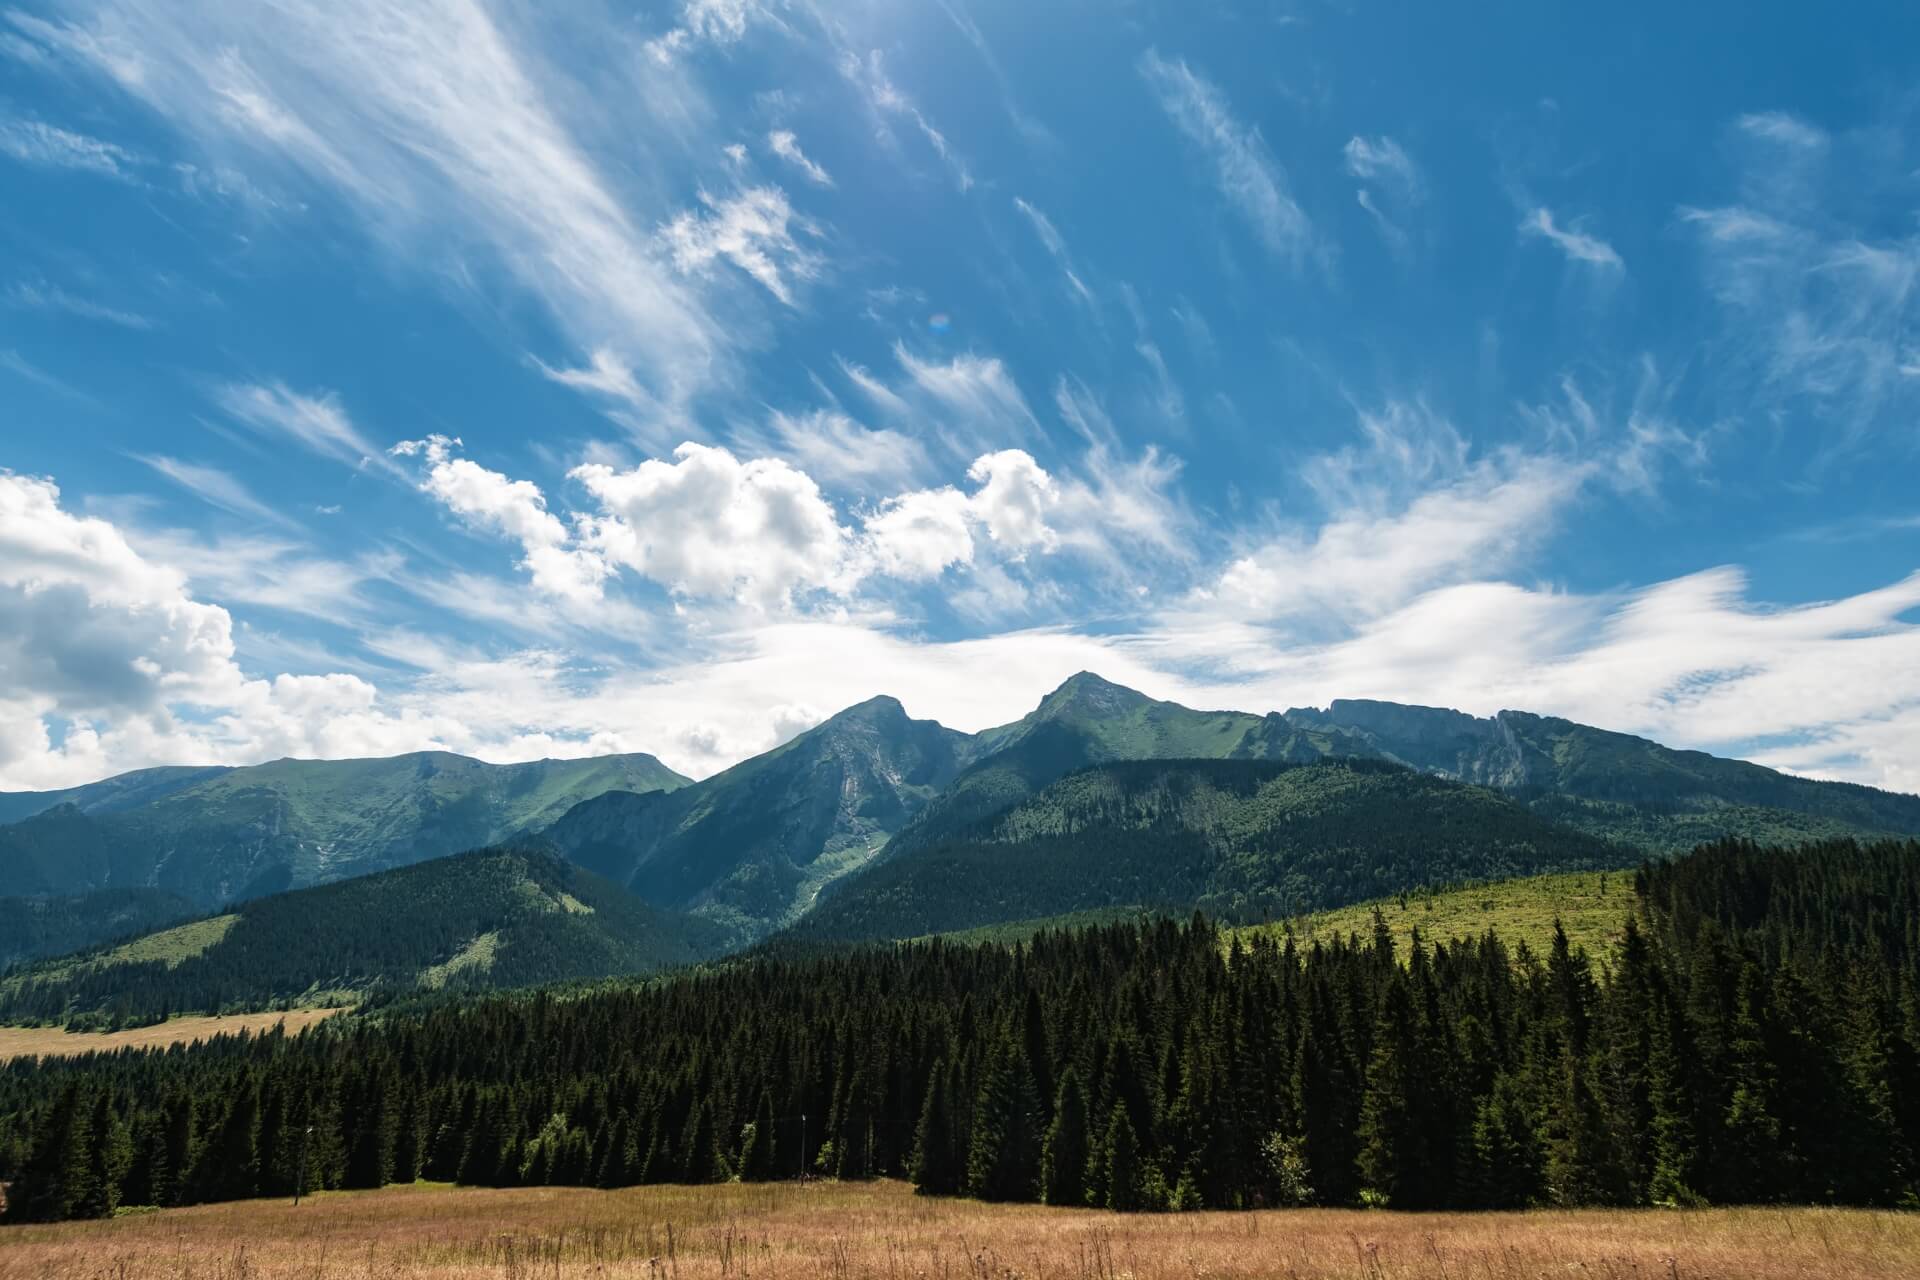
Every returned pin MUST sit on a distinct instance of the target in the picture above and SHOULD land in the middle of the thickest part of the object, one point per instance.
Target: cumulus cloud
(708, 524)
(514, 509)
(109, 662)
(1244, 170)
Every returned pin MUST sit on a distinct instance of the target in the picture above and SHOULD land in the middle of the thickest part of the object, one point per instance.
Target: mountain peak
(881, 709)
(1086, 691)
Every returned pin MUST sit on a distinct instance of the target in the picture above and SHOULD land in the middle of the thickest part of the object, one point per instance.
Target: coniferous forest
(1754, 1036)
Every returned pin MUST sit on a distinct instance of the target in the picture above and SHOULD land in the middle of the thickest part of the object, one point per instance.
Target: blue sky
(375, 377)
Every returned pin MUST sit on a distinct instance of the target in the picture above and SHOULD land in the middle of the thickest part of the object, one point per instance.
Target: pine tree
(757, 1158)
(1063, 1157)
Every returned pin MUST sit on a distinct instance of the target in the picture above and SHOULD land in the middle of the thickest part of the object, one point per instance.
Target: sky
(549, 380)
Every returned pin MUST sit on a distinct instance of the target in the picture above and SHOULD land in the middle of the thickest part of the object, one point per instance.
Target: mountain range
(873, 823)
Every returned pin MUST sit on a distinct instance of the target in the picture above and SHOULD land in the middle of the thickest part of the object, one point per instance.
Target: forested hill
(240, 833)
(31, 928)
(1755, 1042)
(488, 919)
(1239, 839)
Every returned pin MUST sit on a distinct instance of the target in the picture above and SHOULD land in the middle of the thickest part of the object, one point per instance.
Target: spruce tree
(56, 1180)
(1063, 1157)
(1124, 1179)
(1003, 1157)
(936, 1168)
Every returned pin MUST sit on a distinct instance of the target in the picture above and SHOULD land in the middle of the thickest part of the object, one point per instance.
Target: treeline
(1754, 1037)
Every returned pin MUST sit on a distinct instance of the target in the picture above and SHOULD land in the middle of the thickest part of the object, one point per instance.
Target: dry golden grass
(828, 1231)
(53, 1042)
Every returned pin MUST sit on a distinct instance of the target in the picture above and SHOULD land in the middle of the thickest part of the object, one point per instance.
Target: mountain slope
(491, 918)
(750, 847)
(1087, 720)
(34, 927)
(241, 833)
(110, 795)
(1239, 839)
(1611, 784)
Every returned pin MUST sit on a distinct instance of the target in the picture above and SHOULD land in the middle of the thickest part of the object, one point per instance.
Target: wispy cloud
(1576, 244)
(1056, 245)
(46, 297)
(38, 143)
(422, 117)
(1243, 168)
(1384, 161)
(869, 76)
(317, 423)
(215, 487)
(783, 144)
(752, 230)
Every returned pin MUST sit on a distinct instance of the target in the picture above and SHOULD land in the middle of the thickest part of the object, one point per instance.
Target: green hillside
(1238, 839)
(492, 918)
(242, 833)
(1591, 906)
(34, 927)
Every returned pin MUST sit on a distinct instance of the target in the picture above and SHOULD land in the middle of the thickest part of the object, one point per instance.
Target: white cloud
(37, 143)
(314, 422)
(515, 509)
(1576, 244)
(1243, 168)
(835, 448)
(917, 536)
(750, 230)
(709, 525)
(783, 144)
(972, 394)
(605, 374)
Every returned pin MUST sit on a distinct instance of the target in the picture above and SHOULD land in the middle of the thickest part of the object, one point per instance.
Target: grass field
(1591, 905)
(26, 1042)
(832, 1231)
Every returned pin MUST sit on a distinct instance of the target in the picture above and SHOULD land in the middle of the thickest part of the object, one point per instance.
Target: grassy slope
(1592, 907)
(835, 1230)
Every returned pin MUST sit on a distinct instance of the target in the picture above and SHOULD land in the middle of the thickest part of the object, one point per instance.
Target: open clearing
(882, 1231)
(28, 1042)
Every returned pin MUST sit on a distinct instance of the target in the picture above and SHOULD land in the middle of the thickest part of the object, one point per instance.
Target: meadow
(882, 1231)
(58, 1042)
